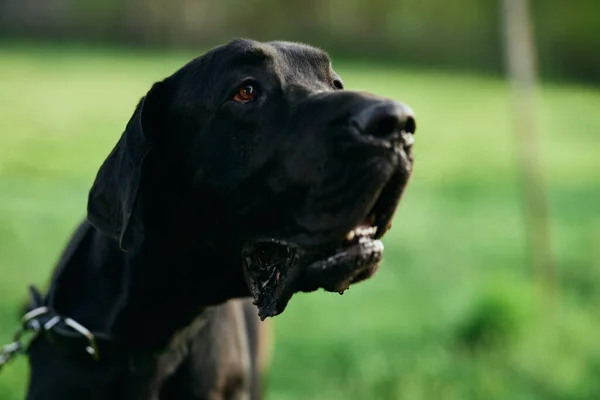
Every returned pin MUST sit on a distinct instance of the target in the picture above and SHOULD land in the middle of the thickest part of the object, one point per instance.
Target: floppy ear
(114, 202)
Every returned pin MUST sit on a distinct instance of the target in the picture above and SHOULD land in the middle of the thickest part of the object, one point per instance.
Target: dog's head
(273, 163)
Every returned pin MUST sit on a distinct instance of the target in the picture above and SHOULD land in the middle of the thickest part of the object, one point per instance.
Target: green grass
(453, 312)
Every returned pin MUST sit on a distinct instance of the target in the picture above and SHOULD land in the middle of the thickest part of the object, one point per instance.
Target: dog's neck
(143, 296)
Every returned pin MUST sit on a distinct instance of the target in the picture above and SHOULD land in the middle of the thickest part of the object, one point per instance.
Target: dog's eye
(245, 94)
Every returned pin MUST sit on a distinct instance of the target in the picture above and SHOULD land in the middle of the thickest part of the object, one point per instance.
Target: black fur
(200, 198)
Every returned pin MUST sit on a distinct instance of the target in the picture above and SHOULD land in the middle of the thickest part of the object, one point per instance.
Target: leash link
(8, 352)
(29, 325)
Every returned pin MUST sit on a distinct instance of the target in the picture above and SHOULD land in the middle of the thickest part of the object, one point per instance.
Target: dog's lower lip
(271, 280)
(364, 247)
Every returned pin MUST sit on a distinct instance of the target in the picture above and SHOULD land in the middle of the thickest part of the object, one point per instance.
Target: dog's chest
(208, 359)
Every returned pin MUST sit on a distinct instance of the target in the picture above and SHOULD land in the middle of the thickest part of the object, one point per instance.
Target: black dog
(249, 172)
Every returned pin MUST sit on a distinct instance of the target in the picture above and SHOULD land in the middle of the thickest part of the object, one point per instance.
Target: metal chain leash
(29, 325)
(12, 349)
(8, 352)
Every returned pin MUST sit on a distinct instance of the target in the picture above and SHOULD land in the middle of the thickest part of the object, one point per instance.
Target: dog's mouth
(276, 268)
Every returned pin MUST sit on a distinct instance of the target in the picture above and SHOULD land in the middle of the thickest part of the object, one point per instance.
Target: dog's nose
(385, 120)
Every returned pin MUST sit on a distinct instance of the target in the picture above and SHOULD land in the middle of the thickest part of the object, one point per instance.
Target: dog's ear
(114, 203)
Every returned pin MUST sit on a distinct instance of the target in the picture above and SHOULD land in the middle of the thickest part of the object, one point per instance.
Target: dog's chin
(272, 268)
(276, 269)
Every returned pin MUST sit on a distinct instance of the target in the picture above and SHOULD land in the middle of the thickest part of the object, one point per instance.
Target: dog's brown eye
(245, 94)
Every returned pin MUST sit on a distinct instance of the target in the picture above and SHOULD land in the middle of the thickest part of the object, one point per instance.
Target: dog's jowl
(248, 175)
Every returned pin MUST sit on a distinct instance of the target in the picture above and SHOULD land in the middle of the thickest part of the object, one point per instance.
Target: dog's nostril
(382, 121)
(382, 126)
(410, 126)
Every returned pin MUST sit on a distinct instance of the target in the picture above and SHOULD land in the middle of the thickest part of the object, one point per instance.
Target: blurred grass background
(454, 311)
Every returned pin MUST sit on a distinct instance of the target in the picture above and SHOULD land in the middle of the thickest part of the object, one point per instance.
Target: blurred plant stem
(520, 58)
